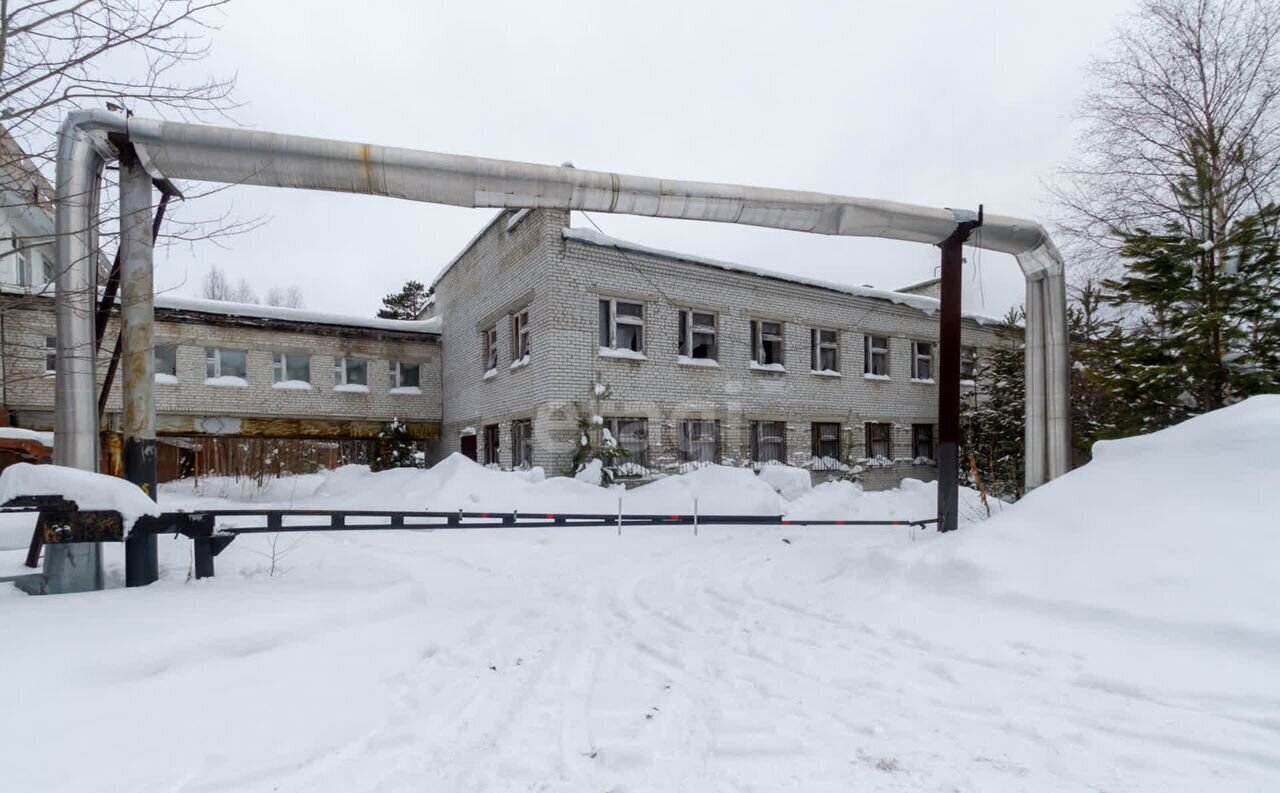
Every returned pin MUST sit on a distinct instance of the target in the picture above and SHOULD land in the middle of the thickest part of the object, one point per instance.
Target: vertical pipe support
(1036, 441)
(1057, 377)
(948, 451)
(137, 321)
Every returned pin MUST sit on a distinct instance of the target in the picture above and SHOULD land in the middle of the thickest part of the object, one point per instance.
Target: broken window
(697, 334)
(768, 441)
(632, 435)
(826, 443)
(490, 358)
(522, 444)
(699, 441)
(350, 371)
(622, 325)
(225, 363)
(766, 342)
(491, 444)
(922, 442)
(876, 358)
(404, 375)
(166, 359)
(520, 346)
(50, 354)
(290, 367)
(880, 441)
(922, 357)
(824, 347)
(968, 362)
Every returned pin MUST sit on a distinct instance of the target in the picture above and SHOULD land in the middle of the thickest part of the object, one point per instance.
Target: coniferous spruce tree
(993, 414)
(408, 303)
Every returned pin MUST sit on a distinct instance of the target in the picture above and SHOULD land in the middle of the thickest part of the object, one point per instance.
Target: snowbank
(89, 491)
(1180, 525)
(19, 434)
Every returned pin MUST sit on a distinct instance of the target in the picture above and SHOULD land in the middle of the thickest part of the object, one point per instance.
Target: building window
(23, 270)
(769, 441)
(766, 342)
(825, 350)
(699, 442)
(632, 435)
(622, 325)
(491, 349)
(404, 375)
(520, 335)
(225, 363)
(50, 354)
(968, 362)
(48, 269)
(698, 335)
(922, 442)
(880, 441)
(826, 443)
(522, 444)
(290, 367)
(491, 444)
(922, 360)
(166, 359)
(876, 358)
(350, 371)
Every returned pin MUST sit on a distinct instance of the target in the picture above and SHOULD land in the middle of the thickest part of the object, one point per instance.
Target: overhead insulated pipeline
(235, 156)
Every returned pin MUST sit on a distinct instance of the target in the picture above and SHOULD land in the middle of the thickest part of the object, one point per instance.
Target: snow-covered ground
(1117, 630)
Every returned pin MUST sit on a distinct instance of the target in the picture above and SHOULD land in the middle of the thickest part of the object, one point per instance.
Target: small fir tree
(408, 303)
(595, 442)
(393, 447)
(992, 417)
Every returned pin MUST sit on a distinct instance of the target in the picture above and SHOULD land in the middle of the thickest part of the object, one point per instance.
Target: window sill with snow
(626, 355)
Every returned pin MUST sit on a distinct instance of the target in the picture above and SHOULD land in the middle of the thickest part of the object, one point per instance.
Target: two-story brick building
(704, 361)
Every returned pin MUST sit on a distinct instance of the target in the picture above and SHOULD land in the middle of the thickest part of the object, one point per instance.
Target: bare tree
(1190, 91)
(286, 297)
(216, 286)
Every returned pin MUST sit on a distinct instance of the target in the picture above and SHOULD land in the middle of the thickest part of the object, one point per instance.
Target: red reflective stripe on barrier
(550, 516)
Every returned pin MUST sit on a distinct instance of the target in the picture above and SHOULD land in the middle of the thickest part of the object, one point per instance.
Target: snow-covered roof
(919, 285)
(928, 305)
(180, 303)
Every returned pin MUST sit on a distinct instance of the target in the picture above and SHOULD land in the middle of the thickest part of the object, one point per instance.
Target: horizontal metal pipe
(236, 156)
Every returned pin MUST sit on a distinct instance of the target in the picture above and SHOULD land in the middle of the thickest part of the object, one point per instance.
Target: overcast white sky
(942, 103)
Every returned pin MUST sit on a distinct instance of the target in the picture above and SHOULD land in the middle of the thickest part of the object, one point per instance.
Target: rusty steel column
(137, 320)
(948, 451)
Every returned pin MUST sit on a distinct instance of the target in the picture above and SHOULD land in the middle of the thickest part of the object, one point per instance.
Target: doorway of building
(469, 446)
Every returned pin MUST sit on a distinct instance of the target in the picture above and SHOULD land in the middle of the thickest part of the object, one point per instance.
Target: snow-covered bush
(597, 455)
(394, 447)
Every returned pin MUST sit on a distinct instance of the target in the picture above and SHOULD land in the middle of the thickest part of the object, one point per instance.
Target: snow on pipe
(235, 156)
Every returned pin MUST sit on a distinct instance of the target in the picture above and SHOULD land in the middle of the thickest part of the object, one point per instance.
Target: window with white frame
(825, 347)
(876, 355)
(769, 441)
(922, 360)
(520, 346)
(968, 362)
(826, 442)
(631, 435)
(290, 367)
(622, 325)
(922, 442)
(404, 375)
(880, 441)
(697, 334)
(23, 269)
(490, 359)
(50, 354)
(350, 371)
(220, 362)
(766, 342)
(699, 441)
(522, 444)
(48, 269)
(166, 359)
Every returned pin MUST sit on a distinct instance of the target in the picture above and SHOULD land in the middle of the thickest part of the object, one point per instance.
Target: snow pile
(19, 434)
(88, 490)
(790, 482)
(1180, 526)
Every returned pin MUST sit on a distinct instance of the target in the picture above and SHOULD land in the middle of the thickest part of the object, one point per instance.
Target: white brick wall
(26, 387)
(566, 278)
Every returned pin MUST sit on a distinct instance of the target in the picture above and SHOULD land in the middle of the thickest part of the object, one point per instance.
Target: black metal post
(203, 552)
(948, 450)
